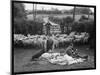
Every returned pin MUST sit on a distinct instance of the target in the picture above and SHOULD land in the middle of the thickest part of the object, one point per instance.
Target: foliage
(83, 17)
(67, 20)
(56, 11)
(86, 26)
(19, 11)
(66, 23)
(78, 26)
(79, 10)
(83, 26)
(21, 24)
(27, 27)
(85, 10)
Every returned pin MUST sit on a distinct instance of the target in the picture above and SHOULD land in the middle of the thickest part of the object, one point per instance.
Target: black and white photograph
(52, 37)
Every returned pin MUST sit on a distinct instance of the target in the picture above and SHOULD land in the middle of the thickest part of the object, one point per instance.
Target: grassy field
(22, 61)
(77, 17)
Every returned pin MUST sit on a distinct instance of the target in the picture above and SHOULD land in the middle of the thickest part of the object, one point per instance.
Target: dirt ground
(22, 61)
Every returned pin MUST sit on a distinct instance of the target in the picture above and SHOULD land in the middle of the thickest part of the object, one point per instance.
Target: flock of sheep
(58, 39)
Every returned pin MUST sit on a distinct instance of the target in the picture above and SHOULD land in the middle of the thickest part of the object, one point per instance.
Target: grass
(22, 61)
(77, 17)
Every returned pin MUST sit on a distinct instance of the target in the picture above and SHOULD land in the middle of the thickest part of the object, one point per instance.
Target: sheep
(41, 40)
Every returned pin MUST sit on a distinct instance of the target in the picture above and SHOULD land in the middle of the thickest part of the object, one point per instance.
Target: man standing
(49, 43)
(48, 28)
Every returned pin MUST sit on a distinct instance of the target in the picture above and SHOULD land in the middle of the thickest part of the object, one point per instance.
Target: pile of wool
(57, 58)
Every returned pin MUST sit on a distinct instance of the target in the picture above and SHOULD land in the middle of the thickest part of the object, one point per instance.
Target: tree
(85, 11)
(68, 20)
(19, 11)
(67, 23)
(81, 10)
(83, 17)
(78, 26)
(19, 18)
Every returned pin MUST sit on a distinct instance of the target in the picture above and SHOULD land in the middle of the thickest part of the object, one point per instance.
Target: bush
(83, 17)
(83, 26)
(67, 20)
(27, 27)
(86, 26)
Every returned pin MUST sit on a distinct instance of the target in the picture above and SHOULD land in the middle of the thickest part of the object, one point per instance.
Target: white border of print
(5, 37)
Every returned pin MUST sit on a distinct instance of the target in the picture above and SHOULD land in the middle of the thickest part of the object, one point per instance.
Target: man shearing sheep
(74, 52)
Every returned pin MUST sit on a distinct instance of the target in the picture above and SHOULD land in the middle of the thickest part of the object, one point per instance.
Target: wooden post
(33, 13)
(35, 10)
(74, 13)
(42, 10)
(88, 14)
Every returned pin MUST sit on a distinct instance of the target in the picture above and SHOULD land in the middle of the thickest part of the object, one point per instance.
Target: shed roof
(52, 23)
